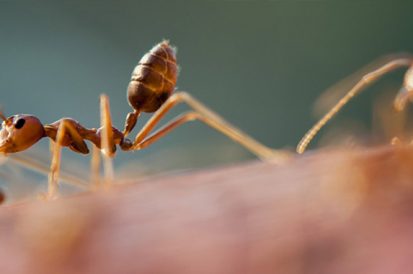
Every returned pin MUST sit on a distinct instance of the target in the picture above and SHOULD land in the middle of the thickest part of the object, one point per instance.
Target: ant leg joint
(369, 78)
(181, 95)
(191, 116)
(126, 144)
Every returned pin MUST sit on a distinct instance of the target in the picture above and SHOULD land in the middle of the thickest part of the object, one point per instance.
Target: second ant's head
(19, 132)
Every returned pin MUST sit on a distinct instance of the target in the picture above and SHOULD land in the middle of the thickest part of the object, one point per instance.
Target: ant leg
(207, 116)
(402, 98)
(66, 129)
(179, 120)
(56, 148)
(41, 168)
(107, 139)
(365, 81)
(95, 168)
(395, 141)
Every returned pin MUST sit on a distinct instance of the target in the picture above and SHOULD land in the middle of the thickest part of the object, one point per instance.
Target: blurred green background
(261, 65)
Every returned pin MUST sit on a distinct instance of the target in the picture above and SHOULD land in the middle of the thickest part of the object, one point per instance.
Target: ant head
(19, 132)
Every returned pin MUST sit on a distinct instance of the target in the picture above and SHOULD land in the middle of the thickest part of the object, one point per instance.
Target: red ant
(150, 90)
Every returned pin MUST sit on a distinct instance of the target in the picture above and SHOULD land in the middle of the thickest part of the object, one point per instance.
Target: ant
(404, 95)
(151, 90)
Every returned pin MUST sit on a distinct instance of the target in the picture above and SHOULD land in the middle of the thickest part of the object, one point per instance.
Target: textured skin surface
(327, 212)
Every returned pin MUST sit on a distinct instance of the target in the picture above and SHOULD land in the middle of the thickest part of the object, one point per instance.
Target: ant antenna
(364, 82)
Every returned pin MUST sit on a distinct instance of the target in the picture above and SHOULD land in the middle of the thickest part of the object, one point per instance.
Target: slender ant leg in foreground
(404, 95)
(150, 90)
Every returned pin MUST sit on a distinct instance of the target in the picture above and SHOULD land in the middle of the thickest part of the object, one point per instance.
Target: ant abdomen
(153, 79)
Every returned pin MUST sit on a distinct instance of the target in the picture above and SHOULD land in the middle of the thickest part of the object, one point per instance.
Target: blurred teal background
(261, 65)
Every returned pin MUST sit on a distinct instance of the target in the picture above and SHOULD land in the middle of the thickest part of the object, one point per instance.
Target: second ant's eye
(19, 124)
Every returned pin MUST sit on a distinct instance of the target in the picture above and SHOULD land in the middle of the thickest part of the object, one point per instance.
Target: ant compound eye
(20, 123)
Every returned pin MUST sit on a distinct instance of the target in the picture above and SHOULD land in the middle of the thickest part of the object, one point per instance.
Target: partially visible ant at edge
(404, 95)
(150, 90)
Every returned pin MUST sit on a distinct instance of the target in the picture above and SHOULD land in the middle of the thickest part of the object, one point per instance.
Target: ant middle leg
(206, 115)
(95, 168)
(107, 141)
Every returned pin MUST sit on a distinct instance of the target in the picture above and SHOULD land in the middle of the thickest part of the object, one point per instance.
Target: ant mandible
(405, 94)
(150, 90)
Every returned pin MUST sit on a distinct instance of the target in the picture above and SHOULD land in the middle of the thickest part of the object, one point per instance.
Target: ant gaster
(150, 90)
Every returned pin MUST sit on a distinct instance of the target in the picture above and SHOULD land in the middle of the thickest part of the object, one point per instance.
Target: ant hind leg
(202, 113)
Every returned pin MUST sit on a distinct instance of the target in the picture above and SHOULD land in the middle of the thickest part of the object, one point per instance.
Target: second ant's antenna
(367, 79)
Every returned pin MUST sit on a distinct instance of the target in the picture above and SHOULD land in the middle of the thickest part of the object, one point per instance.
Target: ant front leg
(56, 149)
(64, 131)
(204, 114)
